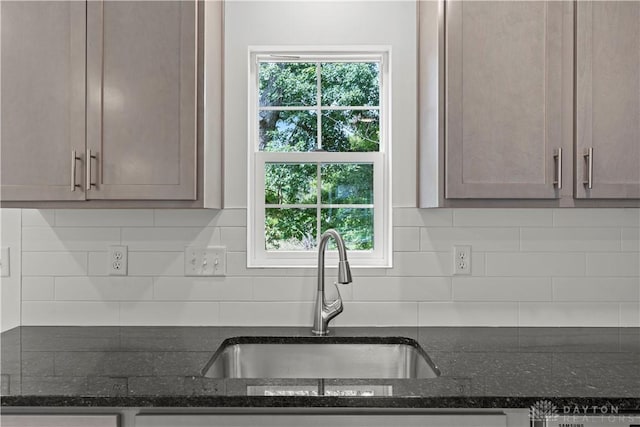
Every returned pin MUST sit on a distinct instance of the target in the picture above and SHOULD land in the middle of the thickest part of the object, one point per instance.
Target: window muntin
(308, 106)
(318, 158)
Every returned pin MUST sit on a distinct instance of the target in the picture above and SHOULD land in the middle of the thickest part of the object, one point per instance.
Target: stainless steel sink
(320, 357)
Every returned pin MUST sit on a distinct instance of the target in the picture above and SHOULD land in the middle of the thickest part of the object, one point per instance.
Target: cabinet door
(508, 98)
(43, 99)
(608, 99)
(302, 420)
(141, 115)
(40, 420)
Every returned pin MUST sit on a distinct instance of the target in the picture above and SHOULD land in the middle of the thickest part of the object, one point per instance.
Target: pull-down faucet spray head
(344, 272)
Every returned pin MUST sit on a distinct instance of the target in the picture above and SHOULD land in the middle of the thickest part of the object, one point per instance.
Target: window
(319, 156)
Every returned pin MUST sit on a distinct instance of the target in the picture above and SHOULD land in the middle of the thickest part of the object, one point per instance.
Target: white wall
(270, 23)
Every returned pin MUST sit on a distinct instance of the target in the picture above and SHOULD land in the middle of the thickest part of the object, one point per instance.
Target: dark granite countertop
(161, 367)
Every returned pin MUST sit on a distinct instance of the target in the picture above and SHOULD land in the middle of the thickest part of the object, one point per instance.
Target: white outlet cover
(4, 262)
(117, 261)
(462, 260)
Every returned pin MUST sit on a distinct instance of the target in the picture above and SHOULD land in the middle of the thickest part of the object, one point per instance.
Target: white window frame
(381, 255)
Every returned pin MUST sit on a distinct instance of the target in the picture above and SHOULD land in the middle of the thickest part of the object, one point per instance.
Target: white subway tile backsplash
(234, 238)
(54, 263)
(478, 263)
(570, 239)
(168, 239)
(103, 288)
(266, 313)
(596, 289)
(576, 217)
(613, 264)
(535, 264)
(632, 215)
(104, 217)
(501, 289)
(569, 314)
(481, 239)
(185, 217)
(156, 263)
(237, 266)
(289, 288)
(41, 313)
(410, 217)
(38, 218)
(203, 288)
(631, 239)
(421, 264)
(160, 313)
(390, 313)
(65, 239)
(502, 218)
(37, 288)
(530, 267)
(200, 217)
(401, 288)
(360, 271)
(97, 263)
(406, 239)
(630, 315)
(231, 218)
(467, 314)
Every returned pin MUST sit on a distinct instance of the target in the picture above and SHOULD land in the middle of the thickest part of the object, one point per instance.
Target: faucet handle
(335, 305)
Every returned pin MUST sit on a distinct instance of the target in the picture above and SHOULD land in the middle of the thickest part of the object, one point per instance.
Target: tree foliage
(295, 84)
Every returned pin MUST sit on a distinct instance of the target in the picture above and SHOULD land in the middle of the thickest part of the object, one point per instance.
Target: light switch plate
(209, 261)
(4, 262)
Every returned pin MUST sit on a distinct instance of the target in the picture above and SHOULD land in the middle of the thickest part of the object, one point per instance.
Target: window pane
(350, 84)
(290, 229)
(287, 83)
(350, 183)
(288, 130)
(286, 183)
(355, 226)
(351, 130)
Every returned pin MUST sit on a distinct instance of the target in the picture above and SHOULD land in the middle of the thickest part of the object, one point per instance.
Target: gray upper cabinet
(141, 99)
(508, 99)
(43, 100)
(608, 100)
(102, 101)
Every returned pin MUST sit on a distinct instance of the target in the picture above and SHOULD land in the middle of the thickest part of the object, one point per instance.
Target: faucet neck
(322, 245)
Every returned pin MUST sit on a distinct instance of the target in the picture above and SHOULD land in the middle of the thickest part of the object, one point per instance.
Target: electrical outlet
(4, 262)
(118, 261)
(211, 261)
(462, 260)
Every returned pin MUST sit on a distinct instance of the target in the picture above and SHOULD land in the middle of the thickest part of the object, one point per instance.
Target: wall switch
(4, 262)
(462, 260)
(211, 261)
(117, 261)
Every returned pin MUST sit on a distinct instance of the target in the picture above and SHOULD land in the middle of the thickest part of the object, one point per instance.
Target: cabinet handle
(588, 157)
(74, 159)
(558, 158)
(90, 182)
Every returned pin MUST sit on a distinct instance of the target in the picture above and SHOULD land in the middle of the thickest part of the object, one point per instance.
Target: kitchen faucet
(324, 311)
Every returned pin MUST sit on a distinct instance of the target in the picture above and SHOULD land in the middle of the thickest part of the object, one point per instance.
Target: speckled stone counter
(161, 367)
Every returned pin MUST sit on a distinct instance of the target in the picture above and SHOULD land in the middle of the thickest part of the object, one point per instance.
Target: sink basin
(320, 357)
